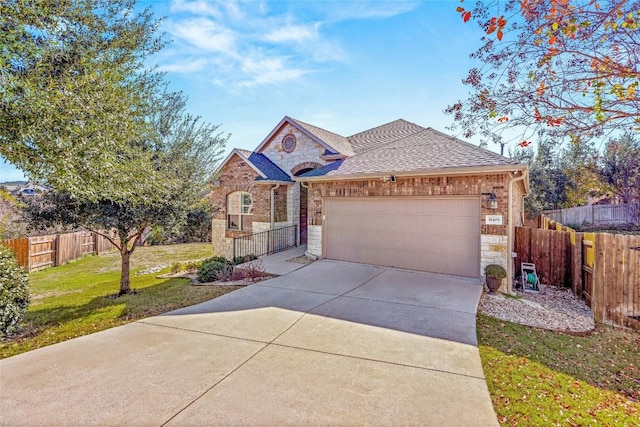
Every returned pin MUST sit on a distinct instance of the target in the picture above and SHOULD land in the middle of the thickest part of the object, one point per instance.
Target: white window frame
(239, 205)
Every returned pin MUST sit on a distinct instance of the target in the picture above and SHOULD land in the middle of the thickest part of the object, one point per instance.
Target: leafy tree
(554, 68)
(11, 222)
(195, 228)
(620, 167)
(14, 292)
(75, 92)
(579, 163)
(548, 182)
(183, 151)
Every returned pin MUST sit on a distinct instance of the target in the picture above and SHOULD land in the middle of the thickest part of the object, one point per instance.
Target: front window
(239, 206)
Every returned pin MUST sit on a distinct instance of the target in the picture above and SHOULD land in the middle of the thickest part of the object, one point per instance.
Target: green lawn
(539, 377)
(77, 298)
(535, 377)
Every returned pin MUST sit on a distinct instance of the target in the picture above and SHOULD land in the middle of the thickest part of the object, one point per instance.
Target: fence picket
(602, 268)
(38, 252)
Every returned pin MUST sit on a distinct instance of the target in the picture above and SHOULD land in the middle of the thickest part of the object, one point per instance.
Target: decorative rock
(552, 308)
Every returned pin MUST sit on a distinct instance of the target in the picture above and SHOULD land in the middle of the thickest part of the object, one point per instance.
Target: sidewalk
(279, 264)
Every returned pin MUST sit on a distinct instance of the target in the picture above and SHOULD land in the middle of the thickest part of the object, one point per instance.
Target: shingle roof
(337, 142)
(419, 152)
(321, 171)
(267, 167)
(383, 134)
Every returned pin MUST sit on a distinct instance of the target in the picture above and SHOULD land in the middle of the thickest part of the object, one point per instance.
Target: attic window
(289, 143)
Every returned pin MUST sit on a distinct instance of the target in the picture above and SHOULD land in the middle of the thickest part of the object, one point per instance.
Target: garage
(436, 234)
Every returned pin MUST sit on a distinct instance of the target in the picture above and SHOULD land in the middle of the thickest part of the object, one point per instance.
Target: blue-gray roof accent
(322, 170)
(268, 168)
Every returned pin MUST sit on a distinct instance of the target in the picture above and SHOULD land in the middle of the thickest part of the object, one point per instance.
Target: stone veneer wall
(314, 240)
(493, 237)
(306, 150)
(494, 250)
(517, 204)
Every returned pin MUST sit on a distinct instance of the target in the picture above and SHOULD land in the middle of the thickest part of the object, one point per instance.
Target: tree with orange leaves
(553, 69)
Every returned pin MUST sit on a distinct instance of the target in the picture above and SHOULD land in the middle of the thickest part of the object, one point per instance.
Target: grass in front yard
(76, 299)
(539, 377)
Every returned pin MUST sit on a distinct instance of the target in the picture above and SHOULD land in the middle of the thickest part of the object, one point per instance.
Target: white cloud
(197, 7)
(184, 66)
(268, 71)
(293, 33)
(205, 34)
(245, 44)
(369, 9)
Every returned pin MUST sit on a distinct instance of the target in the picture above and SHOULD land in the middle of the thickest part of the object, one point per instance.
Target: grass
(77, 298)
(539, 377)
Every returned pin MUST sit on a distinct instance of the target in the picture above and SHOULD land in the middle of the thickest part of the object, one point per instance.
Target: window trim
(240, 211)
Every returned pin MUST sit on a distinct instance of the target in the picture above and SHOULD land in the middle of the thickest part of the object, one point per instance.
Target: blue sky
(341, 65)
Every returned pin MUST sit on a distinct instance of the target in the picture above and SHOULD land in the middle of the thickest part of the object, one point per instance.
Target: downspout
(273, 204)
(510, 230)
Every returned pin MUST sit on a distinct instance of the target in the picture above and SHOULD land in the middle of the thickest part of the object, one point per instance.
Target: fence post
(57, 252)
(576, 264)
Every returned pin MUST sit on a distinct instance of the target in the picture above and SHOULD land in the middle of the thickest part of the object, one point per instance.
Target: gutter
(510, 230)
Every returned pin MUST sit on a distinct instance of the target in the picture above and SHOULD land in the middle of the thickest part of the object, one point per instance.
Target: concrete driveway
(329, 344)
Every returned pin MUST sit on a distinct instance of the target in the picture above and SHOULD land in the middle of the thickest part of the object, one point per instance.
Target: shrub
(192, 266)
(226, 273)
(176, 267)
(252, 271)
(496, 271)
(210, 268)
(242, 259)
(14, 292)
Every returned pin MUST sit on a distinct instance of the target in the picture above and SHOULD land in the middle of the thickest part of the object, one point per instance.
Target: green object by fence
(531, 278)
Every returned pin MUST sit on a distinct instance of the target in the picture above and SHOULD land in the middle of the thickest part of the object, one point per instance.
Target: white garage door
(440, 235)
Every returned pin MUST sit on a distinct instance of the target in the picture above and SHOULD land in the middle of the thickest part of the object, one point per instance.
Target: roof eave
(273, 182)
(333, 157)
(471, 170)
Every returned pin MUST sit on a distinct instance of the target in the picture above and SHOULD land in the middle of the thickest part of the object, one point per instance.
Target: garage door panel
(439, 234)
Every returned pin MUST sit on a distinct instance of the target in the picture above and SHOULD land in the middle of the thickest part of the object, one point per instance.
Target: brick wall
(280, 206)
(427, 186)
(238, 176)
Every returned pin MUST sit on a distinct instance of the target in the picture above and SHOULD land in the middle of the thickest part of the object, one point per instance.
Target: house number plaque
(493, 220)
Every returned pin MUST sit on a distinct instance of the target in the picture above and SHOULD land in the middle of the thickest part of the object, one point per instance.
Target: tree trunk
(124, 274)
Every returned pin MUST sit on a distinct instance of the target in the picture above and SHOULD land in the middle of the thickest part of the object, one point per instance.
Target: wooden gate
(588, 263)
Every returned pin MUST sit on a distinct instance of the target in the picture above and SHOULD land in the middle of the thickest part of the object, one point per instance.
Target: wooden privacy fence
(601, 268)
(549, 250)
(624, 213)
(615, 296)
(39, 252)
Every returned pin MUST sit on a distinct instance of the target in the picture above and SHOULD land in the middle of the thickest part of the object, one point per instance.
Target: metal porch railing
(266, 242)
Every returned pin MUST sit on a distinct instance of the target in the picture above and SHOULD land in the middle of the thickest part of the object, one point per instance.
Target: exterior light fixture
(492, 202)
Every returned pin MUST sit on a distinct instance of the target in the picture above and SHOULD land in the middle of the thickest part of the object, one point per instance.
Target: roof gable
(265, 168)
(339, 143)
(332, 142)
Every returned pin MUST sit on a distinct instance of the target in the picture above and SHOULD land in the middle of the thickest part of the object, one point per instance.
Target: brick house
(397, 195)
